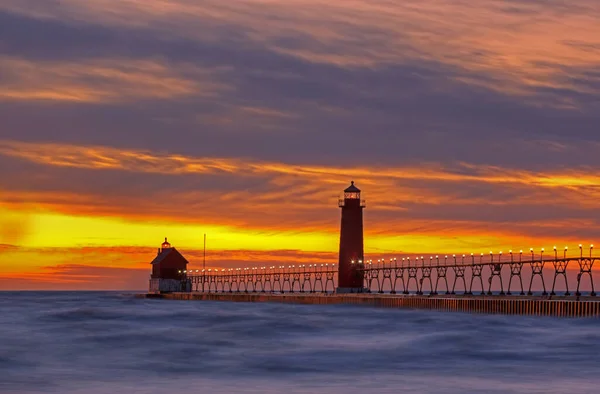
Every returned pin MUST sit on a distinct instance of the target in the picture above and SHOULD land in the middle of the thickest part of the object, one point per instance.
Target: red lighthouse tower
(350, 274)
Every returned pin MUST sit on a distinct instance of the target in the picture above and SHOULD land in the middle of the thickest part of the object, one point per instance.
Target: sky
(469, 126)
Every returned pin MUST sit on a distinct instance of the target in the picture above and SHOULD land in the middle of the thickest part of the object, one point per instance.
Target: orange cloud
(413, 205)
(309, 191)
(515, 48)
(102, 158)
(115, 81)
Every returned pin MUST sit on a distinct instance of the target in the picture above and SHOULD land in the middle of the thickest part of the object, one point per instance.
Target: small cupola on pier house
(168, 263)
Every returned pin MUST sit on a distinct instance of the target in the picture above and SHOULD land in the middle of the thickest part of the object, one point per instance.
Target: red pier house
(350, 268)
(168, 270)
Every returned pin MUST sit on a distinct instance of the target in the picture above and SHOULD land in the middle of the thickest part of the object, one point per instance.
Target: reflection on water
(115, 343)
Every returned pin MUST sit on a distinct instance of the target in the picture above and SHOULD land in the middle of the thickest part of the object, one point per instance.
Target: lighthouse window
(352, 196)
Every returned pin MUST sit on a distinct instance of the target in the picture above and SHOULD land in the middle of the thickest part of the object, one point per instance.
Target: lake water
(83, 342)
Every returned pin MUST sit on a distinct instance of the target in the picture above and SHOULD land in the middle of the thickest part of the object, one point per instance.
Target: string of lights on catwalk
(399, 274)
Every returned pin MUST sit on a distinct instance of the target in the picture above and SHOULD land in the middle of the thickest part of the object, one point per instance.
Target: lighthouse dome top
(352, 188)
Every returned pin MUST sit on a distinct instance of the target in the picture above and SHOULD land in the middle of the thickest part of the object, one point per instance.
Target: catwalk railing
(301, 278)
(426, 275)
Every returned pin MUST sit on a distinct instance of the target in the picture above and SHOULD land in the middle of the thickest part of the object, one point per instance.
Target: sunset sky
(470, 126)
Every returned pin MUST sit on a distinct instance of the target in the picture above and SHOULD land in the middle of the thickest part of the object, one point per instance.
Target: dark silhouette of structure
(412, 281)
(351, 258)
(168, 269)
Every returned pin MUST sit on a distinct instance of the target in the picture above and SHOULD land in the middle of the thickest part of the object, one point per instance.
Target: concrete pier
(514, 305)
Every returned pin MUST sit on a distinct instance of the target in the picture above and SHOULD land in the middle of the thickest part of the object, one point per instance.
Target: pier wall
(538, 306)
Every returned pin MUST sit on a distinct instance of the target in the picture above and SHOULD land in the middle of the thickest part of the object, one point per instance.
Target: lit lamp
(542, 255)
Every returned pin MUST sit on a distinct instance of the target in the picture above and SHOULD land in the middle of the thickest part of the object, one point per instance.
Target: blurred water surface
(104, 342)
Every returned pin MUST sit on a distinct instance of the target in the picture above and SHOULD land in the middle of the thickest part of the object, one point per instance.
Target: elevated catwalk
(469, 281)
(515, 305)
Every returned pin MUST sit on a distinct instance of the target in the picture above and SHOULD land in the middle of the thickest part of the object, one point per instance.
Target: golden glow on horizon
(59, 230)
(50, 230)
